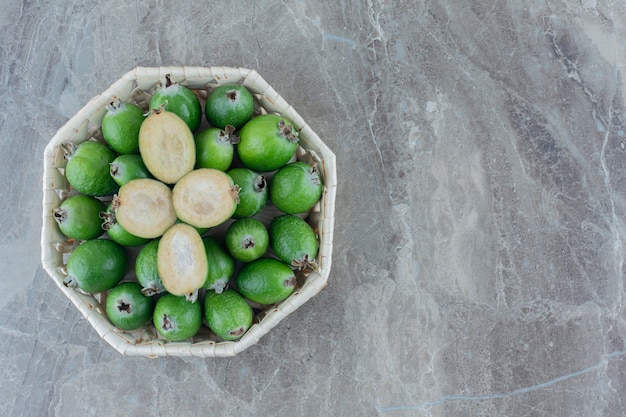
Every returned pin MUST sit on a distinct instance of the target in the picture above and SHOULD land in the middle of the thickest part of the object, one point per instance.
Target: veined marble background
(479, 238)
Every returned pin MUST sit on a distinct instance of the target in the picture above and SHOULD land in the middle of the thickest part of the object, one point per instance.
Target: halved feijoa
(205, 197)
(116, 231)
(144, 208)
(182, 261)
(167, 146)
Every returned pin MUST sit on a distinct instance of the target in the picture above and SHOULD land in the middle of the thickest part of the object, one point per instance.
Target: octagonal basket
(135, 86)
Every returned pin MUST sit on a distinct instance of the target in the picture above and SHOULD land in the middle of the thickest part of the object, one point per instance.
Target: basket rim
(80, 126)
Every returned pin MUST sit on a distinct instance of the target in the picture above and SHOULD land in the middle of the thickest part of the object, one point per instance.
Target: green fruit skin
(88, 169)
(220, 111)
(120, 127)
(213, 149)
(181, 101)
(117, 233)
(292, 239)
(146, 269)
(185, 316)
(266, 281)
(97, 265)
(126, 168)
(140, 306)
(80, 217)
(221, 265)
(227, 314)
(252, 199)
(262, 148)
(296, 188)
(245, 231)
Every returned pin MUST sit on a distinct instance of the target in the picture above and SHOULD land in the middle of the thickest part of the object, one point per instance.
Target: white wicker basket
(135, 86)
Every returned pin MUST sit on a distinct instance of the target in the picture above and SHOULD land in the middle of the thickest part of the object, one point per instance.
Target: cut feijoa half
(182, 261)
(116, 231)
(205, 197)
(144, 208)
(167, 146)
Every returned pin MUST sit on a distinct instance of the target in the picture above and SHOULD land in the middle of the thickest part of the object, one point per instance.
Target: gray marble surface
(480, 226)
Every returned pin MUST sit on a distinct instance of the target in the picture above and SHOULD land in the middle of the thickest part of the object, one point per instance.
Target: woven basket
(136, 86)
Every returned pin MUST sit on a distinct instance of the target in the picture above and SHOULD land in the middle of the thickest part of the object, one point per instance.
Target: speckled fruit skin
(120, 126)
(146, 269)
(246, 239)
(263, 144)
(296, 188)
(229, 105)
(88, 170)
(214, 149)
(221, 264)
(97, 265)
(293, 240)
(266, 281)
(253, 191)
(177, 319)
(78, 217)
(126, 168)
(127, 307)
(227, 314)
(181, 101)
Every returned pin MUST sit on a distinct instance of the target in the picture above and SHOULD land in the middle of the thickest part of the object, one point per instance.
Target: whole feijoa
(229, 105)
(78, 217)
(127, 307)
(120, 126)
(227, 314)
(178, 99)
(147, 271)
(127, 168)
(266, 281)
(221, 265)
(246, 239)
(177, 318)
(296, 187)
(115, 230)
(267, 142)
(87, 168)
(96, 265)
(253, 191)
(167, 146)
(214, 148)
(293, 241)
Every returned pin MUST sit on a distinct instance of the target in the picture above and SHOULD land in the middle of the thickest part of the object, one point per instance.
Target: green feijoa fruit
(127, 307)
(167, 147)
(214, 148)
(96, 265)
(227, 314)
(266, 281)
(293, 241)
(246, 239)
(176, 318)
(267, 142)
(253, 191)
(78, 217)
(127, 168)
(120, 126)
(221, 265)
(146, 269)
(178, 99)
(87, 168)
(115, 230)
(296, 188)
(229, 104)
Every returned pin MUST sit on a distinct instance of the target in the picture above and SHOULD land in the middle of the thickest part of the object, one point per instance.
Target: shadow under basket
(136, 86)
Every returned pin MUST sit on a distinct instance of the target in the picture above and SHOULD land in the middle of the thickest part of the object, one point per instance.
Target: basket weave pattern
(133, 86)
